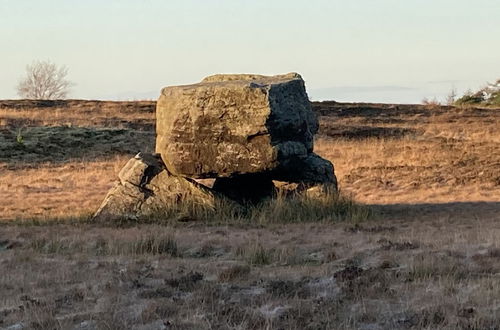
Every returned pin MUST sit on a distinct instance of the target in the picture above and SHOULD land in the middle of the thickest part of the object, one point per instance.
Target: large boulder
(246, 131)
(146, 189)
(229, 125)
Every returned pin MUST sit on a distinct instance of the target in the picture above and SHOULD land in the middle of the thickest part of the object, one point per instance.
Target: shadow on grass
(363, 132)
(34, 145)
(282, 211)
(436, 211)
(336, 109)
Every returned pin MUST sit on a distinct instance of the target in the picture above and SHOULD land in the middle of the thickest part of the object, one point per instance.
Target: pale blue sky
(357, 50)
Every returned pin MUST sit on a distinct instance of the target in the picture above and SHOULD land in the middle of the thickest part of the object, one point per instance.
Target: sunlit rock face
(234, 124)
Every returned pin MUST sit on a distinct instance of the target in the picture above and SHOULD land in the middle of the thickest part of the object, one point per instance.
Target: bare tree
(452, 96)
(44, 81)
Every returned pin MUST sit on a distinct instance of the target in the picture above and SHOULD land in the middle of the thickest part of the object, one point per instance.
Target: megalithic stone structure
(243, 130)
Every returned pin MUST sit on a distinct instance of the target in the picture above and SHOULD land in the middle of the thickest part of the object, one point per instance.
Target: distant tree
(44, 81)
(452, 97)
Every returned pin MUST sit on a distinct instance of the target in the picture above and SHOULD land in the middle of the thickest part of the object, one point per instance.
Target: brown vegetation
(70, 152)
(426, 258)
(412, 154)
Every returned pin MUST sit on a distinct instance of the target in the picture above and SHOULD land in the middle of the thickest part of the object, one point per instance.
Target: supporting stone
(147, 189)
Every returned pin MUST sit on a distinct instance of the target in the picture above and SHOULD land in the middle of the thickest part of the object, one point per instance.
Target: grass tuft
(148, 244)
(153, 244)
(331, 207)
(255, 254)
(234, 273)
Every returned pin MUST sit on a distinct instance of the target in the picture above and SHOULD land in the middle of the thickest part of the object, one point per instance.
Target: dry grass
(49, 190)
(411, 154)
(32, 113)
(427, 257)
(69, 154)
(300, 276)
(382, 154)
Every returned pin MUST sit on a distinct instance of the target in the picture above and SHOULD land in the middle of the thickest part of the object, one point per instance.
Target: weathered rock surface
(244, 131)
(318, 190)
(146, 188)
(234, 124)
(311, 175)
(310, 169)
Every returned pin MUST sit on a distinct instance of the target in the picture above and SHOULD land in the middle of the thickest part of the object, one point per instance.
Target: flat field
(424, 255)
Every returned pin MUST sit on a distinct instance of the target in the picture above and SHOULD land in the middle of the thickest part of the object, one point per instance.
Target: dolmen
(246, 132)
